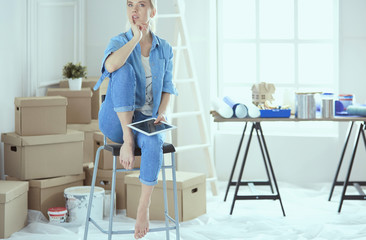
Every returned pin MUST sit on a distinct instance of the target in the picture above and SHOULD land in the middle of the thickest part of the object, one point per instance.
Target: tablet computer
(148, 127)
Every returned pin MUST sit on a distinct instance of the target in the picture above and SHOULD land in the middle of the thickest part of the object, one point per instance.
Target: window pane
(239, 62)
(316, 19)
(239, 19)
(284, 96)
(316, 64)
(238, 94)
(276, 19)
(277, 63)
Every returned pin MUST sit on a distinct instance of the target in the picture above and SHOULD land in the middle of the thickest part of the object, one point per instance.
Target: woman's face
(139, 11)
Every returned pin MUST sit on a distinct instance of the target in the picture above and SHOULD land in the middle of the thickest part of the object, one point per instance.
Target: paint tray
(275, 113)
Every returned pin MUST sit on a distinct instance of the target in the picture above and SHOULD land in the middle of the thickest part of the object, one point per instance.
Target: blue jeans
(121, 98)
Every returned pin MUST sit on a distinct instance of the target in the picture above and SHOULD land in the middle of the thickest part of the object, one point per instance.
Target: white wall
(295, 159)
(12, 61)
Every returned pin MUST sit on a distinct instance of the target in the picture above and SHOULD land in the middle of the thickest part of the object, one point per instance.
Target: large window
(291, 43)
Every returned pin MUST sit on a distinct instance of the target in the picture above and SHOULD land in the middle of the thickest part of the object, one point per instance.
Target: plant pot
(75, 83)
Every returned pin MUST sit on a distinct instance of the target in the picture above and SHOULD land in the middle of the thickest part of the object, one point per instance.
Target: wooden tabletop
(217, 118)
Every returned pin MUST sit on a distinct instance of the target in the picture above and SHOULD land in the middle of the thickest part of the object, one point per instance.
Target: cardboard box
(13, 207)
(46, 193)
(104, 180)
(79, 103)
(89, 130)
(95, 100)
(33, 157)
(191, 191)
(40, 115)
(106, 157)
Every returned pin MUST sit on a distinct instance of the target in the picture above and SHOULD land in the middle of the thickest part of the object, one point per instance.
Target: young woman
(139, 65)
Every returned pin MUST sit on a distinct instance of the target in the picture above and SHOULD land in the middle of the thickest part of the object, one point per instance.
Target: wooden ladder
(182, 49)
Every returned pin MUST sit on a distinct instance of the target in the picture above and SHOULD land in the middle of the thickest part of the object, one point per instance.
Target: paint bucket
(305, 106)
(107, 203)
(327, 105)
(77, 200)
(57, 214)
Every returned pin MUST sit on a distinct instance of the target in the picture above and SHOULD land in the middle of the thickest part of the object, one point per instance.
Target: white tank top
(148, 106)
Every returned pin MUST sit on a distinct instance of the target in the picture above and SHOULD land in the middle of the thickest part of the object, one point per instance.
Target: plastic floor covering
(309, 215)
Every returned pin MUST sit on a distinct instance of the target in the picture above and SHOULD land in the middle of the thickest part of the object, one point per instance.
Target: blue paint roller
(240, 110)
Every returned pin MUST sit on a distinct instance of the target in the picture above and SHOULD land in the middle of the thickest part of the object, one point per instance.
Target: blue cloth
(161, 63)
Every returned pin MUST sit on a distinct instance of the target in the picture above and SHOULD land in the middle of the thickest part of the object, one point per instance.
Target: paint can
(327, 105)
(107, 203)
(305, 106)
(57, 214)
(77, 200)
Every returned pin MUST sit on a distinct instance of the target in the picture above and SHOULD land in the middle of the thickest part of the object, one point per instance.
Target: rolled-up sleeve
(168, 85)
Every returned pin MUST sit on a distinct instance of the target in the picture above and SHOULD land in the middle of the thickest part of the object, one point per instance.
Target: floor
(309, 216)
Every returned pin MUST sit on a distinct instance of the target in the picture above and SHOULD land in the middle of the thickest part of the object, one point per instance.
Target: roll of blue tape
(357, 110)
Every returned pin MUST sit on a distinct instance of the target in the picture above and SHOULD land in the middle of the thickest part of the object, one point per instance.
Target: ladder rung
(186, 80)
(184, 114)
(211, 179)
(180, 48)
(189, 147)
(173, 15)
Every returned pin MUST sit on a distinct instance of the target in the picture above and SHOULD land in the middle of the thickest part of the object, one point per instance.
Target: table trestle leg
(230, 183)
(269, 170)
(341, 159)
(264, 157)
(355, 145)
(241, 170)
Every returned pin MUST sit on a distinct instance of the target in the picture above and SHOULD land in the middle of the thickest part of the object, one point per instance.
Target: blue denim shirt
(161, 64)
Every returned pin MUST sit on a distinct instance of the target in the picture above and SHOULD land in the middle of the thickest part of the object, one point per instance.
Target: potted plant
(74, 73)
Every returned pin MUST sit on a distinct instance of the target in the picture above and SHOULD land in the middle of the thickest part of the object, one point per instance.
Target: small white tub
(77, 200)
(57, 214)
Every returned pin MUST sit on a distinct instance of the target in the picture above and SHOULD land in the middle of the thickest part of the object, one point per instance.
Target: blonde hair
(152, 21)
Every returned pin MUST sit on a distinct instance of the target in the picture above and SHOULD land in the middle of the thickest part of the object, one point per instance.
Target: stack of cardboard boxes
(82, 111)
(43, 152)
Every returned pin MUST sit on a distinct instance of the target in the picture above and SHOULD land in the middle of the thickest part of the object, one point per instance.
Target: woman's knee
(154, 141)
(124, 72)
(123, 88)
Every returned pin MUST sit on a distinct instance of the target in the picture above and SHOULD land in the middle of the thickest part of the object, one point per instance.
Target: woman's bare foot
(126, 156)
(142, 222)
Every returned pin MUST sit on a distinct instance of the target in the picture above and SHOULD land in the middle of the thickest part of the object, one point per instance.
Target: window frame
(220, 84)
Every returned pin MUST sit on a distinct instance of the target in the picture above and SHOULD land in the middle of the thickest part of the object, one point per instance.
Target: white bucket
(57, 214)
(77, 200)
(107, 203)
